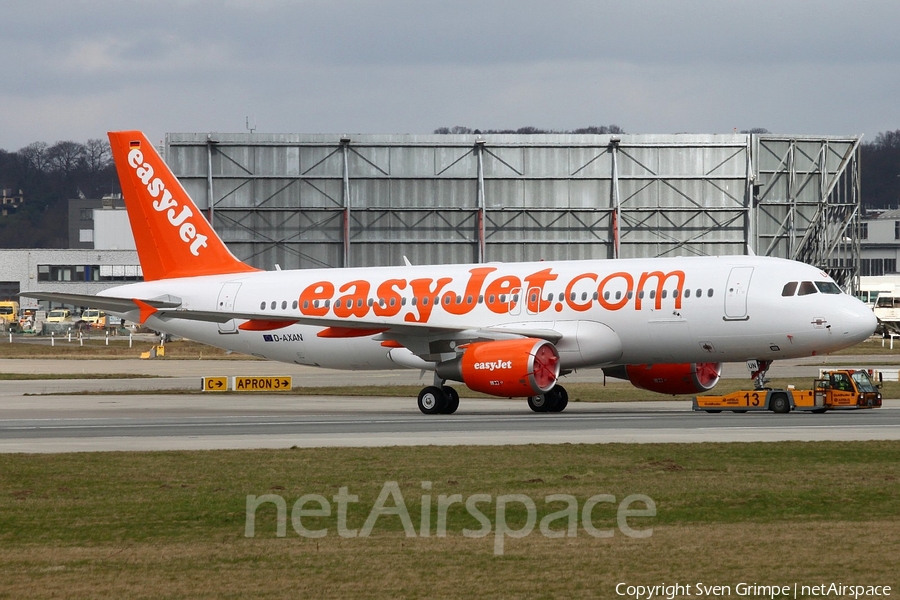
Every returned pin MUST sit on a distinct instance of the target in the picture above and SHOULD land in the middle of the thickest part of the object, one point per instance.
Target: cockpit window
(789, 289)
(828, 287)
(806, 288)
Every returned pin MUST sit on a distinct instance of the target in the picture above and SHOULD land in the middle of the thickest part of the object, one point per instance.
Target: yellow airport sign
(215, 384)
(261, 384)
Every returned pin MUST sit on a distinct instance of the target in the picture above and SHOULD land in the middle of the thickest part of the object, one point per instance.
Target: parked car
(94, 317)
(9, 312)
(59, 315)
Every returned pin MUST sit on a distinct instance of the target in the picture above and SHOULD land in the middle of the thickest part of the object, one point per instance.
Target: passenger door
(225, 303)
(736, 293)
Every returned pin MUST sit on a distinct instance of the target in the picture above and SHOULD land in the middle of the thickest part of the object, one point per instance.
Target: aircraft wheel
(452, 400)
(562, 399)
(780, 404)
(538, 403)
(432, 400)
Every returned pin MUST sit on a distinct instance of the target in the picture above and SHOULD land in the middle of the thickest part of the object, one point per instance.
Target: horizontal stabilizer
(107, 303)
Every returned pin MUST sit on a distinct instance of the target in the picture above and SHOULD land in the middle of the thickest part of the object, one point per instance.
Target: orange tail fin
(173, 238)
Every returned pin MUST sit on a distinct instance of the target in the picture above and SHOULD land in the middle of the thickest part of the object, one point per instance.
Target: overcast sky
(74, 69)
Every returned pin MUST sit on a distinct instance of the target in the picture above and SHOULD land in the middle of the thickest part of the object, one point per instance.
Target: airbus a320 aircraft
(507, 329)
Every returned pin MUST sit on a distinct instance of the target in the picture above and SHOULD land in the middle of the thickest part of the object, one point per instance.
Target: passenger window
(807, 288)
(687, 293)
(710, 292)
(789, 289)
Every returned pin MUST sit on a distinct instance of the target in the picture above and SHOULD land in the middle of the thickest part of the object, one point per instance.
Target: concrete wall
(27, 267)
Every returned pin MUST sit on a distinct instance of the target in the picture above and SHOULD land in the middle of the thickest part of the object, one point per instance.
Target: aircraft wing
(425, 340)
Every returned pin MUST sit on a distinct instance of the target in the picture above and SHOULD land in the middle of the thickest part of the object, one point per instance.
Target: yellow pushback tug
(833, 390)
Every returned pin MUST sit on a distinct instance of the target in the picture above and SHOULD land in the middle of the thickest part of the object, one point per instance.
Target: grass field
(172, 525)
(185, 349)
(30, 348)
(613, 391)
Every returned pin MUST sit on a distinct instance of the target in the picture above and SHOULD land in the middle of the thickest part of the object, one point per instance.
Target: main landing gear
(555, 400)
(434, 400)
(440, 399)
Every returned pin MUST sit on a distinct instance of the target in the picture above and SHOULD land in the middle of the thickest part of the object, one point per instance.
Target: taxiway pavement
(44, 415)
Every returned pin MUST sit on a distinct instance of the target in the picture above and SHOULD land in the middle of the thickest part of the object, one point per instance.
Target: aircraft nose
(858, 320)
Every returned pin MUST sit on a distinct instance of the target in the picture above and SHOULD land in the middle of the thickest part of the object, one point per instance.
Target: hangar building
(304, 200)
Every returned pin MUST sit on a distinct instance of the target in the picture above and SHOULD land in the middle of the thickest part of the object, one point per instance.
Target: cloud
(76, 69)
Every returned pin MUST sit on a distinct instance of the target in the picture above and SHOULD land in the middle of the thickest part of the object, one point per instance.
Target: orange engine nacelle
(523, 367)
(683, 378)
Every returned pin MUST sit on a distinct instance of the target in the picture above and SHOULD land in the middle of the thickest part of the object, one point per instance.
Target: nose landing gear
(758, 370)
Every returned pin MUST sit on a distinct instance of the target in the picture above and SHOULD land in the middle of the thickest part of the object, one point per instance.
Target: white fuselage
(609, 312)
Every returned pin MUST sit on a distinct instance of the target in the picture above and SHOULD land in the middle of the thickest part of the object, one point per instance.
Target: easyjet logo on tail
(172, 237)
(178, 216)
